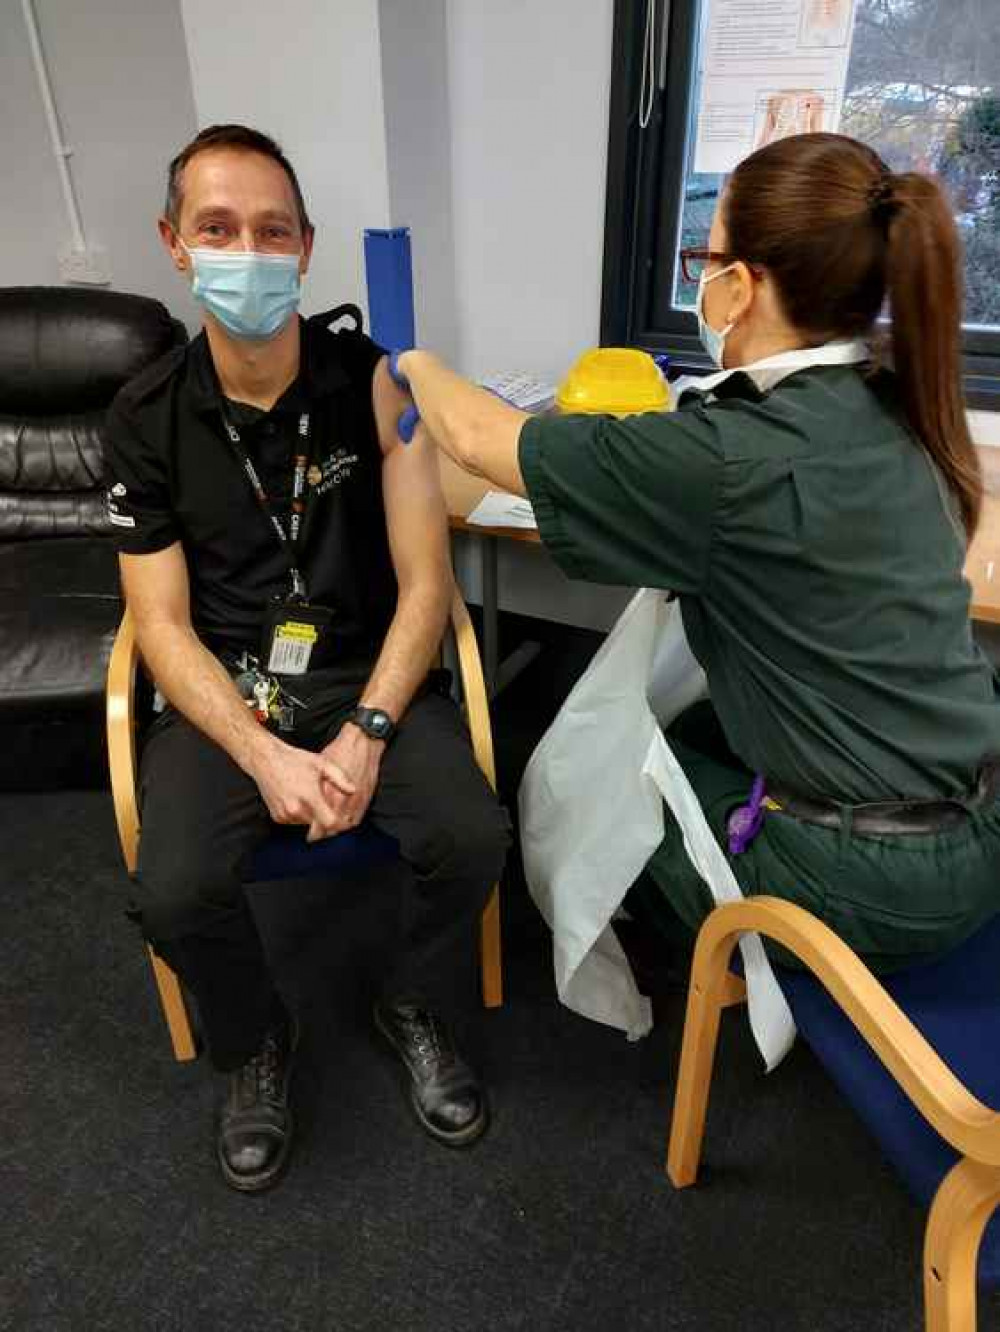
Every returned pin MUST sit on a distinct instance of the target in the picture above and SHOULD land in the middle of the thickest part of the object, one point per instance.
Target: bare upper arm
(388, 403)
(415, 512)
(156, 587)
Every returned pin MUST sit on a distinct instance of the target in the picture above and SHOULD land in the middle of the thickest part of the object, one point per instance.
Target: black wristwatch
(374, 722)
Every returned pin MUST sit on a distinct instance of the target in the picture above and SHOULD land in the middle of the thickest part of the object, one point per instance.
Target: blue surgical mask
(252, 295)
(714, 342)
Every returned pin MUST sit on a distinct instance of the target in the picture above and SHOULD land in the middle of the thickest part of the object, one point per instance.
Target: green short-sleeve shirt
(818, 561)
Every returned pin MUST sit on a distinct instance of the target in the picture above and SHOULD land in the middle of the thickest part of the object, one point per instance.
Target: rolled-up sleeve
(630, 501)
(138, 491)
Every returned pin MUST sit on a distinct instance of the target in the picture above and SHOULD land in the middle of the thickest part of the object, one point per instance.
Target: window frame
(645, 177)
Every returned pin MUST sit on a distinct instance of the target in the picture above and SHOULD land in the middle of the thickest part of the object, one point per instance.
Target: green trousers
(895, 900)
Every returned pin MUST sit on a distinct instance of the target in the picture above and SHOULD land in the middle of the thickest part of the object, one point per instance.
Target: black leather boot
(254, 1134)
(447, 1097)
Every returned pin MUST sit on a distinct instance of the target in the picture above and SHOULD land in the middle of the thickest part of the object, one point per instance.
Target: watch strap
(375, 722)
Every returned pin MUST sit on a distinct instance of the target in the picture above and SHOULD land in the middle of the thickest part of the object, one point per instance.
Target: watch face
(377, 724)
(381, 724)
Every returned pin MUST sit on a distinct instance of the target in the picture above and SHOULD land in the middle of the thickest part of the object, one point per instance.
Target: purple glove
(409, 420)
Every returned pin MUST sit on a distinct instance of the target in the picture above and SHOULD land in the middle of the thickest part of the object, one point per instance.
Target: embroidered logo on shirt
(333, 471)
(115, 515)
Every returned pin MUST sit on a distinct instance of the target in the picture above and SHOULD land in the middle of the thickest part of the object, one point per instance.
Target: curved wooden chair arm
(470, 669)
(971, 1127)
(120, 711)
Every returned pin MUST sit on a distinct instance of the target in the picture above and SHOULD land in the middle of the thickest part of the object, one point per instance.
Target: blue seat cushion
(955, 1003)
(287, 855)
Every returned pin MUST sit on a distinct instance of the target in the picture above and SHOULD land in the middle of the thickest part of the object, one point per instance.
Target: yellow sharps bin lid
(615, 381)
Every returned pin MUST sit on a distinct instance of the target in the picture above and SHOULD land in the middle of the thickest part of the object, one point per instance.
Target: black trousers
(202, 819)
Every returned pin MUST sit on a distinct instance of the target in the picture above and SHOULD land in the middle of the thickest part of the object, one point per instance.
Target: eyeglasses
(695, 261)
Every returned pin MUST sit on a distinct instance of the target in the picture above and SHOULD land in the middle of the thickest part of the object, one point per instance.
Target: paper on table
(497, 509)
(522, 391)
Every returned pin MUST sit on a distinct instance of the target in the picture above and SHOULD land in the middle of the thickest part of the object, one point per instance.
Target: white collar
(772, 369)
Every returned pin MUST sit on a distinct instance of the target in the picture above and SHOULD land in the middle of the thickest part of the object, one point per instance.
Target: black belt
(892, 818)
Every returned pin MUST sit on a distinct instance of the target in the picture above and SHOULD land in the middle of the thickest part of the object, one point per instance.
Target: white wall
(418, 144)
(309, 73)
(120, 76)
(529, 87)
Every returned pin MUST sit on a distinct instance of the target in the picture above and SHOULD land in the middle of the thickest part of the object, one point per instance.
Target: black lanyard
(288, 540)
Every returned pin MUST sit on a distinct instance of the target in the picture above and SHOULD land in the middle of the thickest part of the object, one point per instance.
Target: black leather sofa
(64, 353)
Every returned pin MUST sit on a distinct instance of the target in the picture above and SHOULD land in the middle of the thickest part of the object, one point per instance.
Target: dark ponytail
(838, 232)
(924, 283)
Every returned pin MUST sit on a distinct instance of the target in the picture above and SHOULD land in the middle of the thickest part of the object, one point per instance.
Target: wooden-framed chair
(918, 1056)
(286, 854)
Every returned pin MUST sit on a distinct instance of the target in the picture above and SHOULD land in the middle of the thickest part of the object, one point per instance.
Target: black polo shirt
(173, 475)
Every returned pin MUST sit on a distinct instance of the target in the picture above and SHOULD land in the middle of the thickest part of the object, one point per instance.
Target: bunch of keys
(269, 700)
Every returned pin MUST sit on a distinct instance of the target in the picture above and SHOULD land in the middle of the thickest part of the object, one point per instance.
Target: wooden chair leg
(490, 965)
(967, 1198)
(174, 1010)
(711, 989)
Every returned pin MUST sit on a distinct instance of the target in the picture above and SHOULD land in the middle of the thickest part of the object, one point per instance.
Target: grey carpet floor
(113, 1219)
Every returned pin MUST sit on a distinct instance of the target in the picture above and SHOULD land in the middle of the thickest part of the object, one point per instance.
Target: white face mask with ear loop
(714, 342)
(252, 294)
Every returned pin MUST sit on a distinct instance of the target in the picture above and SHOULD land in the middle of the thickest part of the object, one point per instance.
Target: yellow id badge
(291, 635)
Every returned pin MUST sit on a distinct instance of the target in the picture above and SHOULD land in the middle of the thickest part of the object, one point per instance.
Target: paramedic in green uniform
(811, 508)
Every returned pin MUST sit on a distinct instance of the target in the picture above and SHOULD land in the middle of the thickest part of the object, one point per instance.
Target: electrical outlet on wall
(90, 267)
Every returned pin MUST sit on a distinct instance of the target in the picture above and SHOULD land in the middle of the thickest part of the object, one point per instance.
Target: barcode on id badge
(289, 656)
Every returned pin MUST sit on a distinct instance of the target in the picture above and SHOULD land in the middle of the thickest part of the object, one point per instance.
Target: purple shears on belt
(745, 822)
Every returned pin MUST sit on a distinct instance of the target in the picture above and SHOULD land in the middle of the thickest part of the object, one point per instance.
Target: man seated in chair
(286, 562)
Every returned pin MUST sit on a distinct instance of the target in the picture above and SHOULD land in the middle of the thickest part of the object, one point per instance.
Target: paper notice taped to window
(771, 69)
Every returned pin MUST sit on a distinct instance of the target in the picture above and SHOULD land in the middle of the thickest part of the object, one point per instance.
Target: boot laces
(431, 1041)
(260, 1077)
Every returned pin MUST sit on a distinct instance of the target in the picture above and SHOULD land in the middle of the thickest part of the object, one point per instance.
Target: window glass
(923, 89)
